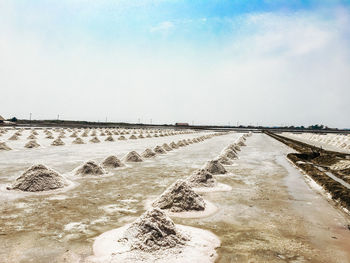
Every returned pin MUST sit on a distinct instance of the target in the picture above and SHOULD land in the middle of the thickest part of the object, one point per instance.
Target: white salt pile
(121, 138)
(112, 162)
(109, 138)
(57, 142)
(174, 145)
(95, 140)
(141, 136)
(38, 178)
(180, 144)
(34, 132)
(149, 135)
(201, 178)
(49, 136)
(180, 197)
(78, 141)
(148, 153)
(90, 168)
(31, 137)
(167, 147)
(4, 147)
(133, 157)
(159, 149)
(133, 137)
(14, 137)
(32, 144)
(224, 160)
(215, 167)
(74, 135)
(230, 154)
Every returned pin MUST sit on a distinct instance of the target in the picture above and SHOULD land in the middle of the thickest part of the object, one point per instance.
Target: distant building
(181, 124)
(1, 119)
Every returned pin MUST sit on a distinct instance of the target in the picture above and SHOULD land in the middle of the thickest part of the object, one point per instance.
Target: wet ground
(271, 215)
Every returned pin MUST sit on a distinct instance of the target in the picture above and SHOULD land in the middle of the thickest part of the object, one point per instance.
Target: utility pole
(30, 119)
(58, 117)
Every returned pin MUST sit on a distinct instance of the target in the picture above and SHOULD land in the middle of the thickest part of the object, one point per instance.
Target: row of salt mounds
(32, 144)
(78, 140)
(90, 168)
(159, 149)
(215, 167)
(148, 153)
(201, 178)
(4, 147)
(38, 178)
(154, 237)
(180, 197)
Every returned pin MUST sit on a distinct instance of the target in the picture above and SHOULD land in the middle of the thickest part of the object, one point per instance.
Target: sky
(267, 62)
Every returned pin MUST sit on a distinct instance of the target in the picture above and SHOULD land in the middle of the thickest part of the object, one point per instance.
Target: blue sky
(265, 62)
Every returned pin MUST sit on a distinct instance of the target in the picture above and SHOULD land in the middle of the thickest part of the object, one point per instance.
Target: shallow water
(271, 214)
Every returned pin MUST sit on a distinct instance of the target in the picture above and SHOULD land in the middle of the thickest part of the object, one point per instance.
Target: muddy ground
(272, 214)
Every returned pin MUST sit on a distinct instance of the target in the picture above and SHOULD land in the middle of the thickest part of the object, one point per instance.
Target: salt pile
(133, 157)
(74, 135)
(167, 147)
(121, 138)
(49, 136)
(32, 144)
(57, 142)
(159, 149)
(34, 132)
(215, 167)
(148, 153)
(133, 137)
(230, 154)
(78, 141)
(109, 139)
(95, 140)
(201, 178)
(90, 168)
(180, 197)
(174, 145)
(224, 160)
(141, 136)
(149, 135)
(38, 178)
(112, 162)
(31, 137)
(180, 144)
(14, 137)
(4, 147)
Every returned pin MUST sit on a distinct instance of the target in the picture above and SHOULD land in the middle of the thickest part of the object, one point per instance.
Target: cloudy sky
(260, 62)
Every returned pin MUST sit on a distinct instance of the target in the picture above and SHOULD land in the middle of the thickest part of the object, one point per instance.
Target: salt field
(238, 200)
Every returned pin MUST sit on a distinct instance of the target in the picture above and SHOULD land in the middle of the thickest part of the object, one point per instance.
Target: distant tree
(14, 119)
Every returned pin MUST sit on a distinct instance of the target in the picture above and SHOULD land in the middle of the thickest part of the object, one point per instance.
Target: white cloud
(164, 26)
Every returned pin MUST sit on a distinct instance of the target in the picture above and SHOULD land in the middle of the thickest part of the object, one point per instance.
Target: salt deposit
(122, 138)
(174, 145)
(341, 165)
(133, 137)
(14, 137)
(32, 144)
(180, 144)
(180, 197)
(148, 153)
(159, 149)
(201, 178)
(31, 137)
(38, 178)
(224, 160)
(132, 157)
(112, 162)
(78, 141)
(95, 140)
(230, 154)
(109, 138)
(215, 167)
(4, 147)
(167, 147)
(90, 168)
(57, 142)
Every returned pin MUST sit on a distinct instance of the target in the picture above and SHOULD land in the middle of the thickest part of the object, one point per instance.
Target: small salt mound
(38, 178)
(112, 162)
(159, 149)
(62, 135)
(155, 135)
(149, 135)
(32, 144)
(57, 142)
(74, 135)
(102, 134)
(14, 137)
(109, 138)
(95, 140)
(185, 142)
(49, 136)
(133, 157)
(84, 134)
(180, 144)
(230, 154)
(201, 178)
(152, 231)
(34, 132)
(90, 168)
(121, 138)
(235, 147)
(189, 141)
(195, 140)
(148, 153)
(167, 147)
(141, 136)
(133, 137)
(174, 145)
(180, 197)
(4, 147)
(224, 160)
(78, 141)
(31, 137)
(215, 167)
